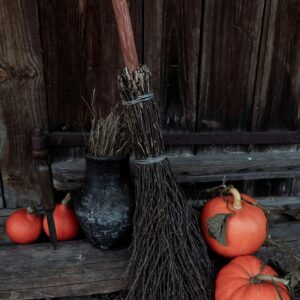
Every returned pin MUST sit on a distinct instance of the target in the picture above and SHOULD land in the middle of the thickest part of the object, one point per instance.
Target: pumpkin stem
(30, 210)
(237, 201)
(263, 277)
(66, 201)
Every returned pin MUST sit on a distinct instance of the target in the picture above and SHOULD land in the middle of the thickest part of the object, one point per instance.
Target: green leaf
(217, 227)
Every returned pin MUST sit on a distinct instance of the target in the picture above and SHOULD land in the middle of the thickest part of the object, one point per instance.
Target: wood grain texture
(82, 53)
(22, 99)
(276, 99)
(277, 91)
(124, 24)
(69, 175)
(1, 190)
(67, 139)
(75, 268)
(171, 49)
(286, 234)
(230, 46)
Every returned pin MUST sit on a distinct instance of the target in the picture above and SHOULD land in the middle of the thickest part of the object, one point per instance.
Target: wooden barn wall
(81, 53)
(217, 65)
(276, 103)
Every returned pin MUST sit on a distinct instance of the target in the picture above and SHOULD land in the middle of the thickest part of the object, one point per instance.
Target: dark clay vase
(104, 205)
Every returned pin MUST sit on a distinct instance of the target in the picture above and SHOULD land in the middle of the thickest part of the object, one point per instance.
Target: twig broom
(169, 258)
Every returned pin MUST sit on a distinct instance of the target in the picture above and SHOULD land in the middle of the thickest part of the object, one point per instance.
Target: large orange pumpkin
(247, 278)
(66, 224)
(24, 226)
(232, 227)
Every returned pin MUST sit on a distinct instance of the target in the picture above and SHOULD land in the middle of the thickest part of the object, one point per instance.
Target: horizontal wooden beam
(232, 138)
(56, 139)
(69, 175)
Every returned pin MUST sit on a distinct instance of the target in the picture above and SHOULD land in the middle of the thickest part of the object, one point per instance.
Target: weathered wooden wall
(217, 65)
(22, 99)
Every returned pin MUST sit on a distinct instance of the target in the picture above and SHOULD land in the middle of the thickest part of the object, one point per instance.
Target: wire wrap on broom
(150, 160)
(141, 98)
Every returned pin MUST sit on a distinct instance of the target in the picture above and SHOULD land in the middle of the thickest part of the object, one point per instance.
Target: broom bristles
(169, 258)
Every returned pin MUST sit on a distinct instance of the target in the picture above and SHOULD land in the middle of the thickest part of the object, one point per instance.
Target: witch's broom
(169, 258)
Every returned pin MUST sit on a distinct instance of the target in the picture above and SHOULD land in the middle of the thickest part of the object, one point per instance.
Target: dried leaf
(217, 227)
(294, 279)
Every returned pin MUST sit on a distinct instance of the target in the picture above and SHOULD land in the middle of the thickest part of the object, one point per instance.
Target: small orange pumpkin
(66, 224)
(232, 227)
(24, 226)
(247, 278)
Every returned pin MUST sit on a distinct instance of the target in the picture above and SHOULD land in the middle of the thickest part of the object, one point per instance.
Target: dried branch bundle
(169, 257)
(107, 136)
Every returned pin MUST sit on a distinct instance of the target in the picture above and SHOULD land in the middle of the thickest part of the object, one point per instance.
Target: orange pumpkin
(232, 227)
(24, 226)
(66, 224)
(247, 278)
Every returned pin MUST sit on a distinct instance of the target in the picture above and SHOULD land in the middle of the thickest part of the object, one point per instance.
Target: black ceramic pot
(104, 206)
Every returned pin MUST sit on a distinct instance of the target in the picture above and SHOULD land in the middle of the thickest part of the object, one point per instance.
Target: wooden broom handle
(126, 34)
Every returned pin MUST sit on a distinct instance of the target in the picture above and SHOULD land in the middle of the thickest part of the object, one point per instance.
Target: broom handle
(126, 34)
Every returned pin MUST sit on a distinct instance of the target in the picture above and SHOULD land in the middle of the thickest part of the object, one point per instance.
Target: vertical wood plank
(231, 38)
(171, 49)
(22, 99)
(1, 191)
(229, 58)
(82, 52)
(62, 29)
(277, 94)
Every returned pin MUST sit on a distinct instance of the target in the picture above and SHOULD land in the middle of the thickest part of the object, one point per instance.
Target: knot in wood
(3, 74)
(39, 144)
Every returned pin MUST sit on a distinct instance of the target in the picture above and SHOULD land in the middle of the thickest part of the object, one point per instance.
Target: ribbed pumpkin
(242, 225)
(247, 278)
(65, 220)
(24, 226)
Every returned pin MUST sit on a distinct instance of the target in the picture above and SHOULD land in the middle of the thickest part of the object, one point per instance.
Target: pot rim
(107, 158)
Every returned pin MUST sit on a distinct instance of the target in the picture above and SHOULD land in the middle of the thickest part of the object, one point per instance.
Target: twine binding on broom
(151, 160)
(141, 98)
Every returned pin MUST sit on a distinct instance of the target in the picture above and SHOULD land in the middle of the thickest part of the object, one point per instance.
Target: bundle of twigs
(106, 136)
(169, 258)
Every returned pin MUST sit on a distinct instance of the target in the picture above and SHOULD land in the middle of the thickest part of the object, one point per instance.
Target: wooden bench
(77, 268)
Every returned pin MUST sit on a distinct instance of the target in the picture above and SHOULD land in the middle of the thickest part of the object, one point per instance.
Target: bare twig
(107, 133)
